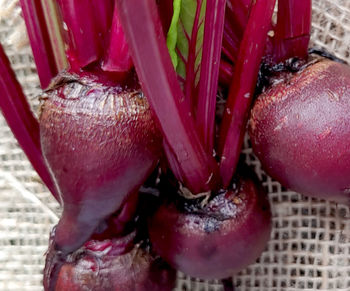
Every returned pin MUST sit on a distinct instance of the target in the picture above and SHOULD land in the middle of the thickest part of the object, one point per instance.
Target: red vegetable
(299, 126)
(100, 143)
(216, 240)
(112, 264)
(299, 130)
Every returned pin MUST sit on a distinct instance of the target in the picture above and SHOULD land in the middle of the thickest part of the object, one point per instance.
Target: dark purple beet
(300, 130)
(216, 240)
(112, 264)
(101, 143)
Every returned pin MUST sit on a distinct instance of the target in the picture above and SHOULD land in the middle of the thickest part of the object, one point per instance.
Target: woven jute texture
(309, 247)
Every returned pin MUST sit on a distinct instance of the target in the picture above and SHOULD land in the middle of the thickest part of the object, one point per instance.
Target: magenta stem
(117, 57)
(236, 18)
(292, 33)
(81, 32)
(209, 74)
(22, 122)
(187, 156)
(103, 15)
(190, 87)
(242, 89)
(226, 73)
(237, 15)
(39, 38)
(54, 28)
(230, 43)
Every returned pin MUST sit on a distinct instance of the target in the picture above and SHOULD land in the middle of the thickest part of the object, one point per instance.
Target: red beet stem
(190, 85)
(242, 89)
(226, 73)
(102, 11)
(187, 156)
(34, 18)
(118, 57)
(54, 27)
(292, 32)
(236, 18)
(21, 120)
(238, 13)
(209, 75)
(230, 44)
(84, 45)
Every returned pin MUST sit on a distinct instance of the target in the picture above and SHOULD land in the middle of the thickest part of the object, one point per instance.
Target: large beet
(101, 143)
(109, 265)
(300, 130)
(216, 240)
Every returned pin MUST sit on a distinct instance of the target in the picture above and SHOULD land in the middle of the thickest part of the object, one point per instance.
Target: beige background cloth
(309, 247)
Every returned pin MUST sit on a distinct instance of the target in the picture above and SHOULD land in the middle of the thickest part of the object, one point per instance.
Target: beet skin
(113, 264)
(300, 130)
(216, 240)
(100, 143)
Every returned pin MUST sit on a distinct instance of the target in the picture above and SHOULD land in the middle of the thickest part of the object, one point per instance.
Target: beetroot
(299, 128)
(111, 264)
(100, 143)
(218, 239)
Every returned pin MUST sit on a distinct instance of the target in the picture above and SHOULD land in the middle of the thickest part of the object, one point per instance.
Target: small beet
(216, 240)
(112, 264)
(100, 143)
(300, 130)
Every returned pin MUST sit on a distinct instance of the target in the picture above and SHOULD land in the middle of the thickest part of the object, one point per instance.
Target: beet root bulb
(112, 264)
(100, 143)
(217, 240)
(300, 130)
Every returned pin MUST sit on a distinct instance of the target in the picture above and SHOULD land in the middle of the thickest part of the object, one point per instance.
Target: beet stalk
(21, 120)
(209, 75)
(243, 86)
(117, 58)
(81, 32)
(38, 33)
(292, 32)
(186, 154)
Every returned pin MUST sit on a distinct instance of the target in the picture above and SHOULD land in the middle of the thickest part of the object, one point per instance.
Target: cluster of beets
(139, 139)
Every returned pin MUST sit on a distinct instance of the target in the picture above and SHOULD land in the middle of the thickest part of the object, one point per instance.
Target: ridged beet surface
(300, 130)
(101, 143)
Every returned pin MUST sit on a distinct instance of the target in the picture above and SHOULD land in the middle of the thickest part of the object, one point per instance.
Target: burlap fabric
(309, 247)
